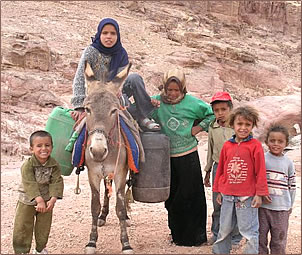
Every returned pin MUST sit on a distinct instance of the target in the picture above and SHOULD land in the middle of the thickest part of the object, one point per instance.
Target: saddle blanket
(78, 140)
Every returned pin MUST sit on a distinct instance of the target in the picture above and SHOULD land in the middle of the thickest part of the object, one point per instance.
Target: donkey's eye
(113, 111)
(87, 110)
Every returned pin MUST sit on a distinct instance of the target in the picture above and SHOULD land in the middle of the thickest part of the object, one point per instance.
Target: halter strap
(97, 131)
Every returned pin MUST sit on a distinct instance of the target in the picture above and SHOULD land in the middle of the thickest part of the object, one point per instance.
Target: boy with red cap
(219, 132)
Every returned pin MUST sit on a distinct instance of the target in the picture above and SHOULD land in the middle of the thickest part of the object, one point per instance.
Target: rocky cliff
(251, 49)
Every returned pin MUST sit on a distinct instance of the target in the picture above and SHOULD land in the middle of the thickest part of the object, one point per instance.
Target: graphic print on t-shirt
(276, 182)
(173, 123)
(237, 171)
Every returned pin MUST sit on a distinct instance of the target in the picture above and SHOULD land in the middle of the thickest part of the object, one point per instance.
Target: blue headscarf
(118, 53)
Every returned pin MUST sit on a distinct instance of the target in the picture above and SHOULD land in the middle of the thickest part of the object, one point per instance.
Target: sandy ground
(61, 23)
(148, 233)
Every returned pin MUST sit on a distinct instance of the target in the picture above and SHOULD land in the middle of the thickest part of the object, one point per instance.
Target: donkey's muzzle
(98, 148)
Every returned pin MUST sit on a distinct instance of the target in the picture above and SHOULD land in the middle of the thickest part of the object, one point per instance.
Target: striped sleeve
(292, 182)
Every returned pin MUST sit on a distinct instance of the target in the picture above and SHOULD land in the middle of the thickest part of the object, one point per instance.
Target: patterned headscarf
(179, 77)
(118, 53)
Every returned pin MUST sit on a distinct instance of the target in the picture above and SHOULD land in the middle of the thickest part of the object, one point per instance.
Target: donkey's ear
(117, 81)
(122, 75)
(88, 70)
(90, 81)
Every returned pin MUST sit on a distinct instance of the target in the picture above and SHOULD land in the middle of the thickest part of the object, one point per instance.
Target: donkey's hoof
(127, 250)
(101, 222)
(90, 250)
(128, 223)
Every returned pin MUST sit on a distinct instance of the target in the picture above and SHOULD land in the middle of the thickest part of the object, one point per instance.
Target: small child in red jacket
(241, 182)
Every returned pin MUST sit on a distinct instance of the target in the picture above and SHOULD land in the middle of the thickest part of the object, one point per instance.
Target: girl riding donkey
(106, 53)
(105, 62)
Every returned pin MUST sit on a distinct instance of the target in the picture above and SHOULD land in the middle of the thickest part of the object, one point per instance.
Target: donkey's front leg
(105, 208)
(122, 215)
(95, 211)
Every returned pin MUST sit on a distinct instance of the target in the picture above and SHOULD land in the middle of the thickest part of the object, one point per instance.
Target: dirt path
(71, 224)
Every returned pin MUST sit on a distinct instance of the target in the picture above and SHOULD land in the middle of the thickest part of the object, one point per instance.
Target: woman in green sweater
(186, 205)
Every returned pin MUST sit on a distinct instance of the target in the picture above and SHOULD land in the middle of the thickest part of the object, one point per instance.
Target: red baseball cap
(221, 96)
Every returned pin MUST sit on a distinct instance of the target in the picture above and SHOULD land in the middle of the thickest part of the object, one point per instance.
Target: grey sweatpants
(27, 221)
(277, 223)
(134, 86)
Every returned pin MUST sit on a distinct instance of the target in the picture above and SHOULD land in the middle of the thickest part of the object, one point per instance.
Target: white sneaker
(44, 251)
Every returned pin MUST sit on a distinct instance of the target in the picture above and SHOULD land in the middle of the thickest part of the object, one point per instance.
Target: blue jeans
(236, 237)
(241, 213)
(216, 206)
(134, 86)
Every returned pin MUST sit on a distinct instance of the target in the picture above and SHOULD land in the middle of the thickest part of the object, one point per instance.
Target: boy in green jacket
(42, 184)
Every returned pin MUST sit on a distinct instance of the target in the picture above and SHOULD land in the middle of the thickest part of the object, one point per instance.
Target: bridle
(109, 137)
(97, 130)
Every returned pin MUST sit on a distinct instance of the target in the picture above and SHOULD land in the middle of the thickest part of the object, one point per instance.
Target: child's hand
(40, 207)
(155, 103)
(219, 199)
(51, 204)
(75, 114)
(195, 130)
(257, 201)
(266, 199)
(207, 179)
(290, 210)
(119, 94)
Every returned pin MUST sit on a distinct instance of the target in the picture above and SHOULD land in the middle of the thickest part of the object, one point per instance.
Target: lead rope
(110, 177)
(119, 141)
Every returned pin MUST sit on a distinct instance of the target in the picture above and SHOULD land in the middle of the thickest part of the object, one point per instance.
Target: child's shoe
(44, 251)
(149, 125)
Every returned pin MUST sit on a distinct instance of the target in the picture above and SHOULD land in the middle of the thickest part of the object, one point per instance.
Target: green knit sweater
(176, 121)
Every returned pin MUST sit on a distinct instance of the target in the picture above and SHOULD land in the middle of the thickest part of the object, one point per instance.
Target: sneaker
(149, 125)
(44, 251)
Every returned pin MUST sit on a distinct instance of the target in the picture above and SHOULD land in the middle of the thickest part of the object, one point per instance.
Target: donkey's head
(101, 106)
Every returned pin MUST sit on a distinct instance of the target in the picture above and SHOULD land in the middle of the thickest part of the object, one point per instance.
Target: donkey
(105, 155)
